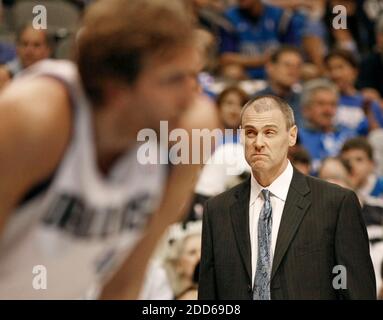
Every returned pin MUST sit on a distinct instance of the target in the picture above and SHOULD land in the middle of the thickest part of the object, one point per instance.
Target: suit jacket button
(249, 289)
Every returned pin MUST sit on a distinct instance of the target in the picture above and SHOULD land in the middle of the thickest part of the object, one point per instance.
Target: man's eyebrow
(268, 126)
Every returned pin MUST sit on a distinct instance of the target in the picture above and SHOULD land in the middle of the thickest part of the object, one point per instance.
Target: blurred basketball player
(76, 204)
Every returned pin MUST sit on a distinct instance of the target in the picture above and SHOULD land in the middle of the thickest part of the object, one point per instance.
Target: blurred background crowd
(332, 77)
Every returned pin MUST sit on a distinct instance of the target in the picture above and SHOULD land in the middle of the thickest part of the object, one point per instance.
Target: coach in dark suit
(282, 235)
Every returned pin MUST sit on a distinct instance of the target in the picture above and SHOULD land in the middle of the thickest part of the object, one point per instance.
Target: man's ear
(293, 133)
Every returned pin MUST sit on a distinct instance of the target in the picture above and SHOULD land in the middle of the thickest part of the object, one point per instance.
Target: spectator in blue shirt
(368, 185)
(354, 111)
(258, 28)
(319, 134)
(283, 72)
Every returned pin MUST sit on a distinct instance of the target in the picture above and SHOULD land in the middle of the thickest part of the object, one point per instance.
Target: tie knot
(266, 194)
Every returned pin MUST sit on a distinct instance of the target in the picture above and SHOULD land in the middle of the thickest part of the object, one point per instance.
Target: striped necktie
(263, 272)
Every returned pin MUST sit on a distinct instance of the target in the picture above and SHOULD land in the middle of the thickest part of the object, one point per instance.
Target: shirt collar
(277, 187)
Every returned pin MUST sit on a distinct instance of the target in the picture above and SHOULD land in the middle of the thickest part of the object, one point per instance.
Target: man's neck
(265, 179)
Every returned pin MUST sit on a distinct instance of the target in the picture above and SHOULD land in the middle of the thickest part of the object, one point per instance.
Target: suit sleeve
(352, 251)
(207, 286)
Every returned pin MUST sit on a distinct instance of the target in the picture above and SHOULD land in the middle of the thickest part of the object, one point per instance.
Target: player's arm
(126, 283)
(34, 131)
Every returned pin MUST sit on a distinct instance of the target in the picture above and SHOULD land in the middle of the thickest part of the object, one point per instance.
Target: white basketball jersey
(63, 242)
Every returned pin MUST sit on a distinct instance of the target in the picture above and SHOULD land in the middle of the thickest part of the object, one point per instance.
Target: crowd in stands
(331, 77)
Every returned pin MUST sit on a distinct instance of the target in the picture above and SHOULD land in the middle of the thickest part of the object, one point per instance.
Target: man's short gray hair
(312, 86)
(262, 103)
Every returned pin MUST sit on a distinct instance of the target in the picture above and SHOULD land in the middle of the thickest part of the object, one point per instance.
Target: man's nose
(259, 141)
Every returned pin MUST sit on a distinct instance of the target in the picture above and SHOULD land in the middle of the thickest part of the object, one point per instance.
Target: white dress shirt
(278, 193)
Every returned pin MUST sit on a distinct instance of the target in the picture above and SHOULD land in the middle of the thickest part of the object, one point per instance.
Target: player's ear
(293, 133)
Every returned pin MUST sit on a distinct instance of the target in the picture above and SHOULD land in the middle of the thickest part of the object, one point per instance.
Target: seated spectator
(230, 102)
(338, 171)
(258, 29)
(283, 72)
(335, 170)
(319, 135)
(371, 68)
(354, 111)
(182, 256)
(314, 33)
(192, 292)
(300, 159)
(33, 45)
(359, 154)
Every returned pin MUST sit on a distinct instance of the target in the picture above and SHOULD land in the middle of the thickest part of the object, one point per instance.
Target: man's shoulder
(228, 197)
(63, 70)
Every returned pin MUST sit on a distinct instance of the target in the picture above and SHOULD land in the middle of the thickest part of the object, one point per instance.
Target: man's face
(230, 110)
(32, 47)
(267, 138)
(322, 109)
(361, 166)
(166, 87)
(342, 73)
(286, 71)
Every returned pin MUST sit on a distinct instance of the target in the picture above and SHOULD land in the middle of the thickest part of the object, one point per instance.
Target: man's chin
(258, 163)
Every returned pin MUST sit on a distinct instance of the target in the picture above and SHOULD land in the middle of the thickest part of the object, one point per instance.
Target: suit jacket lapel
(295, 208)
(239, 212)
